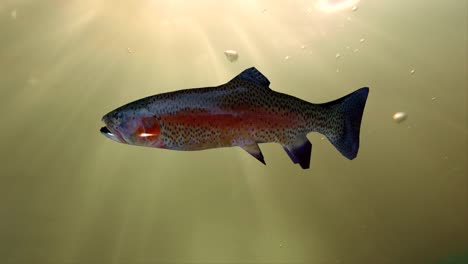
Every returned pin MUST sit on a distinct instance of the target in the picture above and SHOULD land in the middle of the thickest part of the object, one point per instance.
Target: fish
(243, 112)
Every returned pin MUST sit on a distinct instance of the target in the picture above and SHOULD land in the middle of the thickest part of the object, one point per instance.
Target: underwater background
(69, 195)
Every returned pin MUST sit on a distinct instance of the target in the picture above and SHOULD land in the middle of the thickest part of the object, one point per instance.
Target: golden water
(69, 195)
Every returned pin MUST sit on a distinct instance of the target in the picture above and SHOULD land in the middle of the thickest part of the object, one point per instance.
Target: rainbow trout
(242, 112)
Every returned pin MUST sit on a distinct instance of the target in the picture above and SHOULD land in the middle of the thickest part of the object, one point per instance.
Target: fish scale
(242, 112)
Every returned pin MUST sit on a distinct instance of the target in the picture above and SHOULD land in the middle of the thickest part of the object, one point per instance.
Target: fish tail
(343, 122)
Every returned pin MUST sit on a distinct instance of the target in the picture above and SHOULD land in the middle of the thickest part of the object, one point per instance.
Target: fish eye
(117, 116)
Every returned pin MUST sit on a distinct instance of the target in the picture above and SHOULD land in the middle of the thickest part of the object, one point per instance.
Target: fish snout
(105, 130)
(108, 134)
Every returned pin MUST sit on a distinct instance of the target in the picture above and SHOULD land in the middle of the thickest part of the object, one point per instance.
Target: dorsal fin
(253, 75)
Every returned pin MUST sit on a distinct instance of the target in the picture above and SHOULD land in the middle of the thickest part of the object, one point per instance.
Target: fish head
(133, 127)
(115, 122)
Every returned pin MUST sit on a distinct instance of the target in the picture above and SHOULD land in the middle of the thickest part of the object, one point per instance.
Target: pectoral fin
(255, 151)
(299, 151)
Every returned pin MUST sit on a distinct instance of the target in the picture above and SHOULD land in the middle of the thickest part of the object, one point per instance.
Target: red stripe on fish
(260, 118)
(150, 128)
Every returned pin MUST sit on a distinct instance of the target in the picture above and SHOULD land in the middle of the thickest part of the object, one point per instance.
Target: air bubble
(231, 55)
(400, 117)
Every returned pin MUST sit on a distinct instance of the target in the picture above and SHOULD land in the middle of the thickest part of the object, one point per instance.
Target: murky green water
(69, 195)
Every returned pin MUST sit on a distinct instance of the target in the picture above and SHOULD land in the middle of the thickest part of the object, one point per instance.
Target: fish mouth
(108, 134)
(105, 130)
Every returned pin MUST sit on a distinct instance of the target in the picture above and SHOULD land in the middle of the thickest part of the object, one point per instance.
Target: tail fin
(346, 114)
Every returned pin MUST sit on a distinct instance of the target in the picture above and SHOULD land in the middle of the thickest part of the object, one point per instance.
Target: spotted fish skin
(242, 112)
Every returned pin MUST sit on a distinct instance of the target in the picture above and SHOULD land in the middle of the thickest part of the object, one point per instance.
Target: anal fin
(255, 151)
(299, 151)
